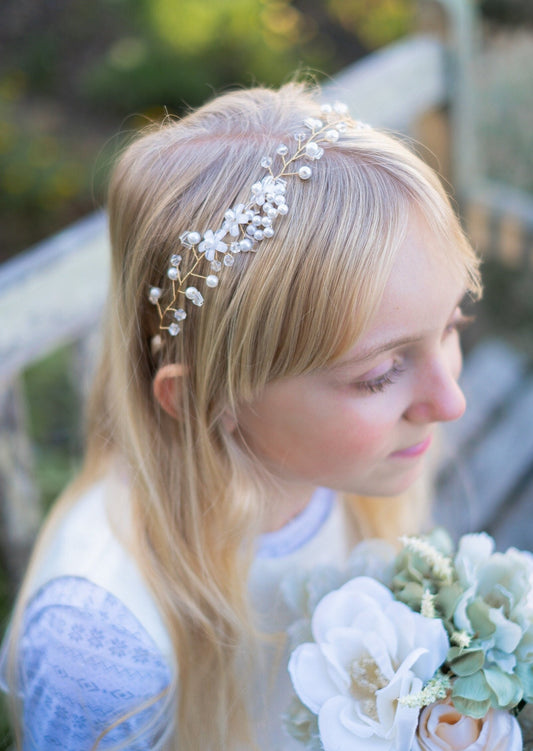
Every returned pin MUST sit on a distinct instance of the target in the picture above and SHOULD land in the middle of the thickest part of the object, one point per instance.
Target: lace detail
(85, 662)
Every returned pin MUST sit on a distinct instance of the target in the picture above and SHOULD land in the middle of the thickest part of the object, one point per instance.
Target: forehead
(419, 296)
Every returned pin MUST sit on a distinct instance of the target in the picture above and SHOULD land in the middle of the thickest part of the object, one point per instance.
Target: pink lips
(414, 451)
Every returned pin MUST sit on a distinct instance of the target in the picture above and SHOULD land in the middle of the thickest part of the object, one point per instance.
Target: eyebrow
(401, 341)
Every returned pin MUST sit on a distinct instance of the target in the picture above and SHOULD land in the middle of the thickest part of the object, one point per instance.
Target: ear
(168, 383)
(228, 421)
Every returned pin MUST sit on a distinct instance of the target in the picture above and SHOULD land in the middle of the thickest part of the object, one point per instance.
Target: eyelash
(379, 384)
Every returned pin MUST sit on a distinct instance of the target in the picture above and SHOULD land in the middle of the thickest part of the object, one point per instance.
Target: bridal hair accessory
(245, 225)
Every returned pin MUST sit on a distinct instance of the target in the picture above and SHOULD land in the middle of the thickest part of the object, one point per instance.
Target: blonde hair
(294, 306)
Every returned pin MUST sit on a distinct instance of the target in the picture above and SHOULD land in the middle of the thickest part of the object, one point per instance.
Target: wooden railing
(53, 294)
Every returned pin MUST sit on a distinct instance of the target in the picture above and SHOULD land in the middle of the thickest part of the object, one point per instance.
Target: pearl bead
(194, 238)
(172, 273)
(305, 173)
(246, 245)
(211, 280)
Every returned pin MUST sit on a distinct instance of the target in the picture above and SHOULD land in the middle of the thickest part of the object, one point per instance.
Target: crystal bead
(283, 209)
(258, 234)
(268, 232)
(313, 123)
(194, 295)
(212, 280)
(341, 127)
(304, 173)
(332, 136)
(326, 109)
(266, 162)
(155, 294)
(340, 108)
(190, 238)
(180, 314)
(175, 259)
(313, 151)
(300, 136)
(282, 150)
(216, 265)
(173, 329)
(229, 260)
(173, 273)
(235, 247)
(257, 188)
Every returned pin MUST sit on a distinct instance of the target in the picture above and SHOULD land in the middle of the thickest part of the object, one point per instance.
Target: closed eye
(376, 385)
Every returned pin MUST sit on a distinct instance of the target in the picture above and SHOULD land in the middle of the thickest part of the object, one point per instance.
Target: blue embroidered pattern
(85, 662)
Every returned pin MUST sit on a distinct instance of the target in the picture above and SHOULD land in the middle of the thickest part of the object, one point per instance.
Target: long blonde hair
(295, 305)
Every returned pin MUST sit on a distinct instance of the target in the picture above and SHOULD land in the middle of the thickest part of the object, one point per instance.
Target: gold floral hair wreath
(245, 226)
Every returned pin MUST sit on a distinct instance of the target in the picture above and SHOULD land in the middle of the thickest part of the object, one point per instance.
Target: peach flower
(442, 728)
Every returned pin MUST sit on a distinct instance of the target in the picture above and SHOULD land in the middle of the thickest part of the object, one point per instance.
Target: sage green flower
(496, 609)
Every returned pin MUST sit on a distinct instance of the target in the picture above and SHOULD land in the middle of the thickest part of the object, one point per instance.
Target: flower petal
(310, 677)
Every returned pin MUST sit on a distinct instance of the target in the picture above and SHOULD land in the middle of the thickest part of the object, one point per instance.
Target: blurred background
(77, 77)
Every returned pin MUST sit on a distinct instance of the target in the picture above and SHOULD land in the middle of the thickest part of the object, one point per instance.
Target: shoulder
(83, 544)
(86, 662)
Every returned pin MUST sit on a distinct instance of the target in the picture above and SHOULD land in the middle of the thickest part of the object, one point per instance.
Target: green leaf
(477, 709)
(465, 662)
(479, 615)
(506, 688)
(473, 687)
(447, 598)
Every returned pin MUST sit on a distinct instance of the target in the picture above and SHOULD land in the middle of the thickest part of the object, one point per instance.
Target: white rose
(443, 728)
(369, 651)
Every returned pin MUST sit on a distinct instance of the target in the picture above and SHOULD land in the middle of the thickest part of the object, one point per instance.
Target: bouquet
(430, 648)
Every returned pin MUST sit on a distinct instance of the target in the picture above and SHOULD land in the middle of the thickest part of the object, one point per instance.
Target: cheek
(363, 430)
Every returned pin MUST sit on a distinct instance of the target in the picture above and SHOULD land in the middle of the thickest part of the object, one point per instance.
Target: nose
(438, 396)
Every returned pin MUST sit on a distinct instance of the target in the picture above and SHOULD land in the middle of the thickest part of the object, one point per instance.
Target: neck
(284, 504)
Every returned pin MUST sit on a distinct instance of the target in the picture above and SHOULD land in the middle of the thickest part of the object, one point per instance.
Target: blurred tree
(72, 71)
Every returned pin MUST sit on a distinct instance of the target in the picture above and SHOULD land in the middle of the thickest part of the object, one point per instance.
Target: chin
(395, 484)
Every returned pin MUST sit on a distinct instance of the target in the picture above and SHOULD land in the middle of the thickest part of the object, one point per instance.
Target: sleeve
(85, 663)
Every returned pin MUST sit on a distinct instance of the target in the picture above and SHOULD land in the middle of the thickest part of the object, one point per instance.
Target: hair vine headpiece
(246, 224)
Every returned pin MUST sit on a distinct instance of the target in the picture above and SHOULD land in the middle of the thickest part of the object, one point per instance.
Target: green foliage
(54, 422)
